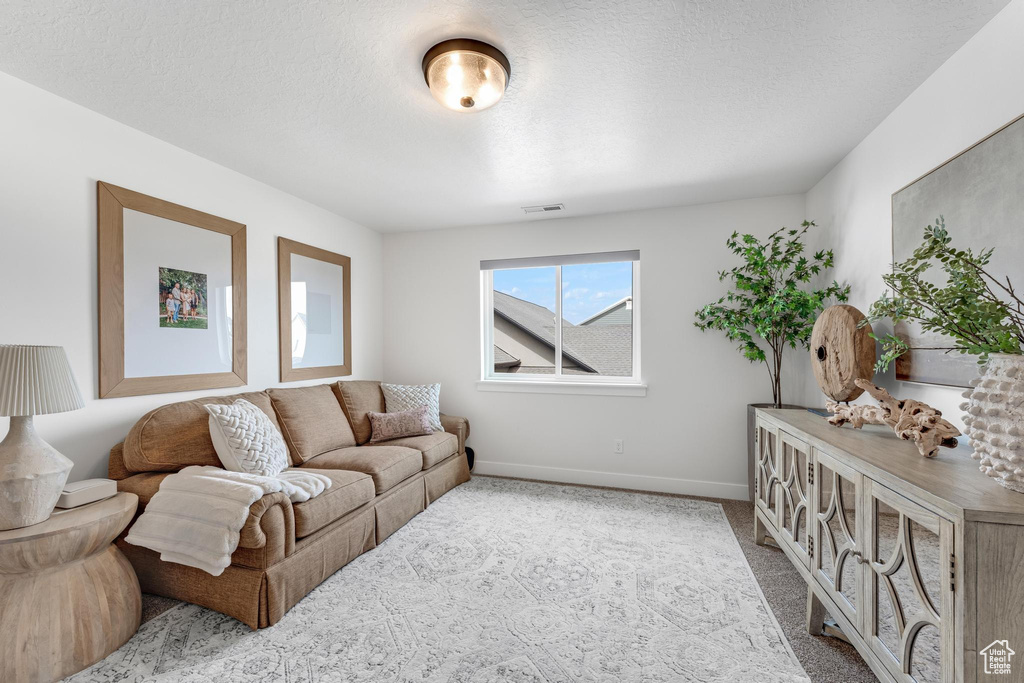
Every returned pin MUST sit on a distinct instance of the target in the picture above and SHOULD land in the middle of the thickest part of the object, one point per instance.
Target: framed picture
(314, 304)
(171, 296)
(980, 193)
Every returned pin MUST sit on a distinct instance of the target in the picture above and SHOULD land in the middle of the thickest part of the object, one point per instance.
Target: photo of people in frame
(183, 301)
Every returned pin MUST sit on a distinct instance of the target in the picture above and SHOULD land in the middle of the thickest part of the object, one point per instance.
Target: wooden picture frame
(111, 204)
(286, 248)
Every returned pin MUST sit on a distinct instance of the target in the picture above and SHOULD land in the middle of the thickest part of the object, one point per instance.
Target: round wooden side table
(68, 597)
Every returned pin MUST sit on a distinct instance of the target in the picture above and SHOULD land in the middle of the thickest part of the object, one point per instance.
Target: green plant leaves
(981, 313)
(767, 302)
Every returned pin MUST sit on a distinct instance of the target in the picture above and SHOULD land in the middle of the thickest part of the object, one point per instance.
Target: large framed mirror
(172, 298)
(314, 297)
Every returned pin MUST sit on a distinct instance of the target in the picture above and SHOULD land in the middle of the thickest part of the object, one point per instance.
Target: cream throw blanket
(195, 517)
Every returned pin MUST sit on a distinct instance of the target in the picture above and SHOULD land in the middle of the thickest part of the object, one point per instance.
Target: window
(562, 319)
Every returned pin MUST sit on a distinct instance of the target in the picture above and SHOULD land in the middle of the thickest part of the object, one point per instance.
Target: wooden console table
(68, 598)
(919, 561)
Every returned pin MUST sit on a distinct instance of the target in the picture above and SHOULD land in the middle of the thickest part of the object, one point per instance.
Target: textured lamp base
(32, 475)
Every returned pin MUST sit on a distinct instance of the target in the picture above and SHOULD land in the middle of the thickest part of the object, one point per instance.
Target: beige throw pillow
(399, 397)
(387, 426)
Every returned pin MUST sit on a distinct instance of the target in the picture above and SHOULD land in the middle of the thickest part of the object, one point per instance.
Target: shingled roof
(605, 350)
(608, 348)
(504, 359)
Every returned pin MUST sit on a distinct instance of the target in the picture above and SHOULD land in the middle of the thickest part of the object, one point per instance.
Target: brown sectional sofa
(285, 549)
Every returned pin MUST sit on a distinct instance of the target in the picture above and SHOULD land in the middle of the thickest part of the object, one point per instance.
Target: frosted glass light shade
(36, 380)
(466, 75)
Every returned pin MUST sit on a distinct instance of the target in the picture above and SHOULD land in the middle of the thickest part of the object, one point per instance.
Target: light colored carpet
(825, 659)
(503, 581)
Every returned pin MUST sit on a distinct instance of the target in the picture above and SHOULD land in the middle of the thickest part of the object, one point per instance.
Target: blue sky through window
(586, 289)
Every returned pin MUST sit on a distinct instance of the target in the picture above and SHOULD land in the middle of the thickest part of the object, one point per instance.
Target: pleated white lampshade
(36, 380)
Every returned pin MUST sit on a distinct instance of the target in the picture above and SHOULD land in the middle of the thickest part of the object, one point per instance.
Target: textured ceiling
(611, 106)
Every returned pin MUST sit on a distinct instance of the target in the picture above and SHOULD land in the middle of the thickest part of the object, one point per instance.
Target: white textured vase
(995, 419)
(32, 475)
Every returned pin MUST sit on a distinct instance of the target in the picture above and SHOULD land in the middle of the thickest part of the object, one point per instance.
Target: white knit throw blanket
(195, 517)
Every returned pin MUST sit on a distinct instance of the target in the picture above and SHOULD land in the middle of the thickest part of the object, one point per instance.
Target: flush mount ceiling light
(466, 75)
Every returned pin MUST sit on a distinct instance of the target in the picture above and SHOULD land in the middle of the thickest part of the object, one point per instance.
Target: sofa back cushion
(360, 397)
(177, 435)
(312, 421)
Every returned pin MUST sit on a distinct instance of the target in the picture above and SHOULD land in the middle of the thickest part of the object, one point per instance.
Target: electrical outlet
(618, 447)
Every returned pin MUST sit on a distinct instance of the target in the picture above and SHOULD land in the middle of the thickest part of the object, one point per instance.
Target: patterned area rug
(502, 580)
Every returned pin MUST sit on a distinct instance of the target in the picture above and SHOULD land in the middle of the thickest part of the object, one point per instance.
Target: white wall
(978, 90)
(52, 152)
(688, 435)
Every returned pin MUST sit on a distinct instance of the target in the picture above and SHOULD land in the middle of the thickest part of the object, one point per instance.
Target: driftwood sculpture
(911, 420)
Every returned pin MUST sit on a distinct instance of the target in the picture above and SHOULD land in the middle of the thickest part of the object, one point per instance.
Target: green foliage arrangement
(767, 302)
(980, 312)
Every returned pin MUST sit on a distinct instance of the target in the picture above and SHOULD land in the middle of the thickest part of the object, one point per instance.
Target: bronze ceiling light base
(465, 74)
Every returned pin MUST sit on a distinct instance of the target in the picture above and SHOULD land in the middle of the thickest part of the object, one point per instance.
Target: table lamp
(34, 380)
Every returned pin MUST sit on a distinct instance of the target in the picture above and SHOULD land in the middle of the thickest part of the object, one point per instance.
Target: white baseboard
(689, 487)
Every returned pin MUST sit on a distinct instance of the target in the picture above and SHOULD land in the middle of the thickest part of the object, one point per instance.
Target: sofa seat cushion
(349, 490)
(435, 447)
(312, 421)
(386, 465)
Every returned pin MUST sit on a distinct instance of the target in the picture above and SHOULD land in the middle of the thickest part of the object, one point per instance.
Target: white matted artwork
(980, 194)
(314, 302)
(318, 324)
(171, 296)
(152, 347)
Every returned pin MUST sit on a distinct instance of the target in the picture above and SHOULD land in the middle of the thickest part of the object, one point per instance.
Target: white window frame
(557, 383)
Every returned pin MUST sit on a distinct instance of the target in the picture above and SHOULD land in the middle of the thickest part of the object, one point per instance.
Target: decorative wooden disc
(841, 353)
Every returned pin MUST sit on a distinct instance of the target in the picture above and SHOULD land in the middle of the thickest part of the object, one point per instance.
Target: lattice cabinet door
(837, 544)
(910, 588)
(795, 476)
(766, 475)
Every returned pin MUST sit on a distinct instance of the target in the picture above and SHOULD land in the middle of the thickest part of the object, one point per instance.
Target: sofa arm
(459, 426)
(270, 524)
(116, 469)
(144, 485)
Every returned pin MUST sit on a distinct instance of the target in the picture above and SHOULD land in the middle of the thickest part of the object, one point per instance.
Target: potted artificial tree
(981, 314)
(770, 306)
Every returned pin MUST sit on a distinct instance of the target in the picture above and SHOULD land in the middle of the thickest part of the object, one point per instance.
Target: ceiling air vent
(544, 208)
